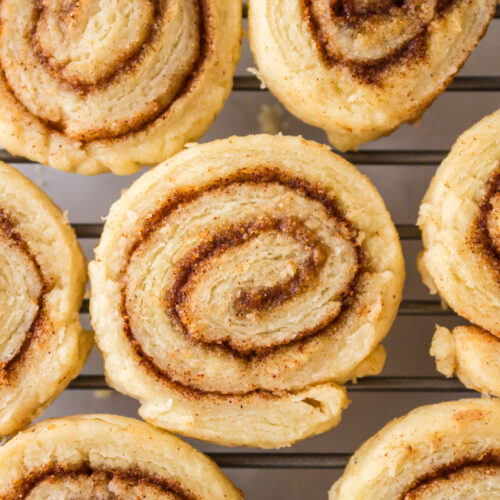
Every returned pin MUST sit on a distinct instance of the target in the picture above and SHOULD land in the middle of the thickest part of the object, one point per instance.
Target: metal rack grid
(287, 460)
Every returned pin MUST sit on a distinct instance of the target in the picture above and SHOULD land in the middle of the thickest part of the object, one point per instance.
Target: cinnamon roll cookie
(360, 68)
(42, 280)
(91, 86)
(443, 451)
(106, 457)
(237, 284)
(459, 218)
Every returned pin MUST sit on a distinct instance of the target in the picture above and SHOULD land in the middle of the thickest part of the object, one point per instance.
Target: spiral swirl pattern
(256, 308)
(370, 36)
(482, 474)
(96, 76)
(39, 301)
(449, 450)
(360, 68)
(103, 456)
(259, 283)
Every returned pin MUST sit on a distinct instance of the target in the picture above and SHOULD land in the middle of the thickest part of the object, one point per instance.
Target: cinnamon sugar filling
(486, 235)
(72, 19)
(100, 481)
(489, 463)
(39, 323)
(357, 24)
(260, 300)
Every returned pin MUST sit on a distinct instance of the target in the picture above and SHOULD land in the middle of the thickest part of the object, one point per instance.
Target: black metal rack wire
(287, 460)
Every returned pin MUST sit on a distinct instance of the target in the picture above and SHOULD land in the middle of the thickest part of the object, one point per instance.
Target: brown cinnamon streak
(490, 459)
(262, 298)
(247, 301)
(85, 87)
(353, 16)
(272, 296)
(39, 324)
(481, 240)
(134, 476)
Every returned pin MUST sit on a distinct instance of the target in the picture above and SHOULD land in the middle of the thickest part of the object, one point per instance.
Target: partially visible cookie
(443, 451)
(42, 281)
(359, 69)
(105, 457)
(460, 222)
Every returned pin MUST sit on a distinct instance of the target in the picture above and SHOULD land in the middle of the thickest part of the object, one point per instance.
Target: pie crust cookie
(91, 86)
(106, 457)
(238, 284)
(460, 222)
(448, 450)
(360, 68)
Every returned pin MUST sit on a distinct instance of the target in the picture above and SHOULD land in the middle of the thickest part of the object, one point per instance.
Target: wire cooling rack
(286, 460)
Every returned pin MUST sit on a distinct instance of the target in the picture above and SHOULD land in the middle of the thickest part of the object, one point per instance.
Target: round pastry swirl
(245, 290)
(217, 314)
(95, 79)
(360, 68)
(448, 450)
(102, 456)
(459, 217)
(42, 346)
